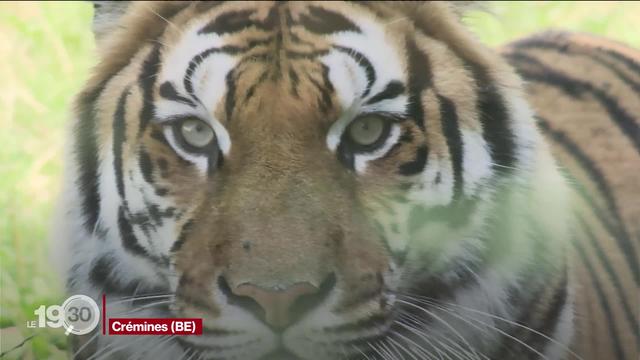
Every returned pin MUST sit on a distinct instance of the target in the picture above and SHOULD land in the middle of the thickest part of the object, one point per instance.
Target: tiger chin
(329, 180)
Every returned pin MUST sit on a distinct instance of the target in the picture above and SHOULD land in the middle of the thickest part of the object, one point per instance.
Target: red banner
(155, 326)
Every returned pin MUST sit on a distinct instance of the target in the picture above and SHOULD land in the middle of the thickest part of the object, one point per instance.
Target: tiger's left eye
(367, 130)
(196, 133)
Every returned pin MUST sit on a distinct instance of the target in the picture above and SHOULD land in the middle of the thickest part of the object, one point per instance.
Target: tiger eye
(196, 133)
(366, 130)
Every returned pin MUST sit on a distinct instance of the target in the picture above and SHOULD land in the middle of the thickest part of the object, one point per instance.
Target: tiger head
(300, 175)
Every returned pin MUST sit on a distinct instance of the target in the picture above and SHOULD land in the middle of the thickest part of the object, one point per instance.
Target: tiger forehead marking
(290, 50)
(316, 180)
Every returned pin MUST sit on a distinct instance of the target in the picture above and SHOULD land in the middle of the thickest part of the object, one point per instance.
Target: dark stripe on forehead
(229, 22)
(86, 154)
(230, 99)
(198, 59)
(252, 89)
(147, 81)
(420, 78)
(235, 21)
(453, 136)
(119, 138)
(362, 61)
(294, 81)
(325, 89)
(324, 22)
(393, 89)
(168, 91)
(576, 89)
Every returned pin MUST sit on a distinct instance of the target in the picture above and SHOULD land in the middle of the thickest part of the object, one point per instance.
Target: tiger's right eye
(194, 136)
(366, 130)
(196, 133)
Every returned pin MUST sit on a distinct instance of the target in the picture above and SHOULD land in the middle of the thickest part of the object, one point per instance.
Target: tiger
(352, 180)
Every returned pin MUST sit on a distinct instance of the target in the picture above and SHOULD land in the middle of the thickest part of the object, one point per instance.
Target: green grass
(46, 51)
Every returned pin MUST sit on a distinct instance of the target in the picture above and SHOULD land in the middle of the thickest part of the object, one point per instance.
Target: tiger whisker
(141, 297)
(396, 344)
(146, 306)
(497, 317)
(461, 353)
(392, 349)
(423, 337)
(455, 332)
(469, 321)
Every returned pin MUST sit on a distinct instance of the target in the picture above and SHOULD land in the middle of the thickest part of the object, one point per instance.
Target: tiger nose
(280, 306)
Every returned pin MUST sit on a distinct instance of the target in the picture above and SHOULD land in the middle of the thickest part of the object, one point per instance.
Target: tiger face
(305, 177)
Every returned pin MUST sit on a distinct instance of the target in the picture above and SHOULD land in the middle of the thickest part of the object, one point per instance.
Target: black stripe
(530, 326)
(184, 232)
(324, 22)
(147, 80)
(576, 88)
(602, 300)
(311, 54)
(168, 91)
(554, 314)
(393, 89)
(566, 48)
(86, 154)
(295, 81)
(198, 59)
(146, 166)
(451, 131)
(613, 276)
(494, 117)
(420, 79)
(325, 89)
(230, 99)
(596, 175)
(129, 239)
(416, 165)
(251, 90)
(229, 22)
(119, 138)
(361, 60)
(629, 62)
(102, 275)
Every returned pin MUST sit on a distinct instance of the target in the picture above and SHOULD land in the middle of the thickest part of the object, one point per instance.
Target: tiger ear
(107, 16)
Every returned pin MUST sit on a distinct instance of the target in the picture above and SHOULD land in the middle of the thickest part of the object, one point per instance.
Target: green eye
(196, 133)
(367, 130)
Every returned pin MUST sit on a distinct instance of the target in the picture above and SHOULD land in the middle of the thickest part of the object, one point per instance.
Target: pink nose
(276, 304)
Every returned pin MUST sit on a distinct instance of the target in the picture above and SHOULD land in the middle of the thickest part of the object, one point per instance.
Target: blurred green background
(46, 51)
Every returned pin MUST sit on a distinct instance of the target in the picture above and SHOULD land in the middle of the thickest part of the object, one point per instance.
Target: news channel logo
(78, 315)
